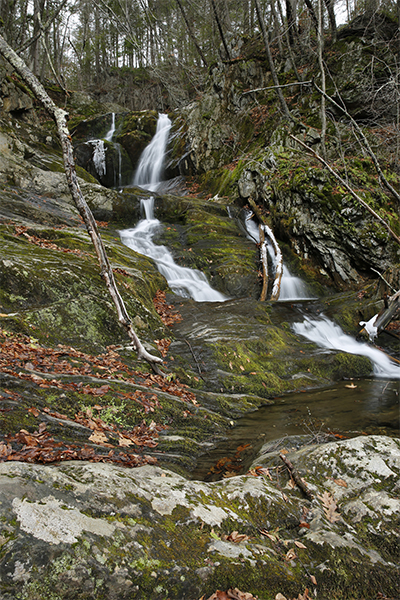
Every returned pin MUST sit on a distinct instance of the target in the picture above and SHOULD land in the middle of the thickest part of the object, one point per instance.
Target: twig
(195, 359)
(274, 87)
(296, 477)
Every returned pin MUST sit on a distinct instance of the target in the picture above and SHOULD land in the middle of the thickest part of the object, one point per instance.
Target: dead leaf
(340, 482)
(35, 412)
(237, 537)
(351, 386)
(290, 555)
(300, 545)
(330, 506)
(124, 441)
(98, 437)
(313, 580)
(280, 596)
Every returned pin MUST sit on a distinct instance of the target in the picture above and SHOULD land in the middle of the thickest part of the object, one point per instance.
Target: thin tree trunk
(332, 18)
(270, 60)
(60, 118)
(323, 83)
(221, 33)
(312, 13)
(289, 48)
(191, 34)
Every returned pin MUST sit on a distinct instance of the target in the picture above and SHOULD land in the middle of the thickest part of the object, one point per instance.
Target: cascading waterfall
(109, 135)
(330, 336)
(188, 283)
(149, 170)
(322, 331)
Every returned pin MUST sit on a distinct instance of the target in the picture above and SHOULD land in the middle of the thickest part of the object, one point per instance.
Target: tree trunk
(191, 34)
(221, 33)
(60, 118)
(270, 60)
(323, 84)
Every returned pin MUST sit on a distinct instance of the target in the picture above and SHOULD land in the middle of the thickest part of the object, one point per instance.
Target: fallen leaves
(329, 506)
(40, 446)
(166, 312)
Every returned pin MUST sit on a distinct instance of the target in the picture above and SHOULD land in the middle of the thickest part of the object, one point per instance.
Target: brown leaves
(43, 243)
(330, 506)
(167, 313)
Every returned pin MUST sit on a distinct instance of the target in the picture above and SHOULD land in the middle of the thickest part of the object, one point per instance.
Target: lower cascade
(188, 283)
(330, 336)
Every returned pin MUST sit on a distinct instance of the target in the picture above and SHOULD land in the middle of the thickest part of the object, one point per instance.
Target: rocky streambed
(97, 451)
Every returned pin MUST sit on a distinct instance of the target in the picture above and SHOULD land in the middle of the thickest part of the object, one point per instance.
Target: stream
(346, 409)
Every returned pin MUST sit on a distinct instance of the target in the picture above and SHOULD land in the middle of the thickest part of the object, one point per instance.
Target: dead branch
(60, 117)
(299, 481)
(276, 288)
(365, 142)
(348, 188)
(274, 87)
(264, 263)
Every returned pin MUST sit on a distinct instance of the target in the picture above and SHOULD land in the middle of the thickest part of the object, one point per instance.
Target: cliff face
(240, 146)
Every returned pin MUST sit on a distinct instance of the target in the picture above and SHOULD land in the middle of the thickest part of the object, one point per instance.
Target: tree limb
(348, 188)
(60, 118)
(364, 139)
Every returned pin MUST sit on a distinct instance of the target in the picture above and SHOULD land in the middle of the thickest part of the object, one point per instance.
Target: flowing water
(364, 406)
(185, 282)
(149, 171)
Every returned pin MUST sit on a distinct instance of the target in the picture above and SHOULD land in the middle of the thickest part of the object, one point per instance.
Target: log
(381, 320)
(264, 262)
(60, 117)
(276, 288)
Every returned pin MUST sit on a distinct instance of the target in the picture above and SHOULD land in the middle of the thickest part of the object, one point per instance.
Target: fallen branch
(348, 188)
(60, 117)
(276, 288)
(264, 263)
(274, 87)
(299, 481)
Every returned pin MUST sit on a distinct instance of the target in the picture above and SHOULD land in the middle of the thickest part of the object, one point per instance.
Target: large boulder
(84, 530)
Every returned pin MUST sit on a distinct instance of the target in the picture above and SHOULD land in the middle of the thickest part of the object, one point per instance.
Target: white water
(110, 133)
(149, 170)
(328, 335)
(188, 283)
(99, 157)
(292, 288)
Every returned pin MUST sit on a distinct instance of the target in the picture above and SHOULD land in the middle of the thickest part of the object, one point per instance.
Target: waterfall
(188, 283)
(109, 135)
(149, 170)
(328, 335)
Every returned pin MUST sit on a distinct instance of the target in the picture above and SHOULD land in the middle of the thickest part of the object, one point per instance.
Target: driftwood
(60, 117)
(299, 481)
(267, 232)
(264, 263)
(348, 188)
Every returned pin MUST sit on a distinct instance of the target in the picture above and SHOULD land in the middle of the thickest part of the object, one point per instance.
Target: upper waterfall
(151, 163)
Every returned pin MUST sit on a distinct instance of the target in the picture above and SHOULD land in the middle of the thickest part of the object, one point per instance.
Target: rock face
(90, 531)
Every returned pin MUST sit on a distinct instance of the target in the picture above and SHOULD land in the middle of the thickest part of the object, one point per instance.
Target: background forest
(107, 47)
